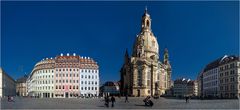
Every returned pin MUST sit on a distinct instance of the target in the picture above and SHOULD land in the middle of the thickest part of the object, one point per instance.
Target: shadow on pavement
(139, 105)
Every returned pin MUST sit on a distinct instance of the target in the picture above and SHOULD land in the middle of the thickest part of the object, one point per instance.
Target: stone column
(144, 76)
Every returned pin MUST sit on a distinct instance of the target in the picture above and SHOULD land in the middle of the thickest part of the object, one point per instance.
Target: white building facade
(229, 79)
(65, 76)
(210, 82)
(7, 84)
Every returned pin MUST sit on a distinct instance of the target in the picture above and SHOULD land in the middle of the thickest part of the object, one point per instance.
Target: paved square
(134, 103)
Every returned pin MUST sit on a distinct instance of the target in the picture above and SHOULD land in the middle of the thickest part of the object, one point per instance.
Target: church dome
(146, 43)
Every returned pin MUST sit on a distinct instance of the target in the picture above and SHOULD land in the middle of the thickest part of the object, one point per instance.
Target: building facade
(110, 88)
(65, 76)
(142, 73)
(7, 84)
(210, 79)
(21, 86)
(220, 78)
(184, 87)
(200, 84)
(229, 69)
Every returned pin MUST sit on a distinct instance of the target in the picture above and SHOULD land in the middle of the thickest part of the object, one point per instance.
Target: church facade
(143, 74)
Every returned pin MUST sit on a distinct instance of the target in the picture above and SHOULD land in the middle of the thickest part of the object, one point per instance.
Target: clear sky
(195, 33)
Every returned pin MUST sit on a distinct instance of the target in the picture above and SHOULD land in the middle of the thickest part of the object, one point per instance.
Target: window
(73, 87)
(81, 88)
(70, 87)
(82, 76)
(81, 82)
(89, 77)
(95, 88)
(85, 82)
(66, 75)
(59, 87)
(76, 87)
(63, 87)
(56, 87)
(56, 75)
(56, 81)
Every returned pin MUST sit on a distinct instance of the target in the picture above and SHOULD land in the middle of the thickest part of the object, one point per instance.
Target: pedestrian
(186, 99)
(12, 99)
(107, 101)
(113, 101)
(9, 99)
(126, 98)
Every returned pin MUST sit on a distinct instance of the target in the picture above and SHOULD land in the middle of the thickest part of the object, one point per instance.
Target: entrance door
(138, 93)
(66, 95)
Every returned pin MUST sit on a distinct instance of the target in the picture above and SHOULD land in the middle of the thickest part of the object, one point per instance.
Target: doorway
(66, 95)
(138, 93)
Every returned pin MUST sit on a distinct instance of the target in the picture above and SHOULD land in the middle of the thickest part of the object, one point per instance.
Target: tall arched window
(147, 23)
(139, 77)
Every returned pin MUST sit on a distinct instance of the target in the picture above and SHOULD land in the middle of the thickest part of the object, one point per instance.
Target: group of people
(107, 100)
(10, 99)
(112, 100)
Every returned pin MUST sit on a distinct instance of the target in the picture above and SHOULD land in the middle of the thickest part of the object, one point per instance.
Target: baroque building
(65, 76)
(21, 86)
(220, 78)
(142, 73)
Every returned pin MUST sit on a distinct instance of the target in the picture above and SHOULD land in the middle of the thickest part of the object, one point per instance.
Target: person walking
(187, 99)
(126, 98)
(113, 100)
(107, 101)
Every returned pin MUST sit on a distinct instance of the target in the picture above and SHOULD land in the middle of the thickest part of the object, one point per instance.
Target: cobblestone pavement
(134, 103)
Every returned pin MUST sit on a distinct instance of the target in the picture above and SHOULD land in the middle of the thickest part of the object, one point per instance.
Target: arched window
(147, 23)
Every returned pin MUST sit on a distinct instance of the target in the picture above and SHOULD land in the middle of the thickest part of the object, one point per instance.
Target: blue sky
(195, 33)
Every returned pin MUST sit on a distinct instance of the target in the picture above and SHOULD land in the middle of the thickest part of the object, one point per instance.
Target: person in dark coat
(107, 101)
(113, 100)
(126, 98)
